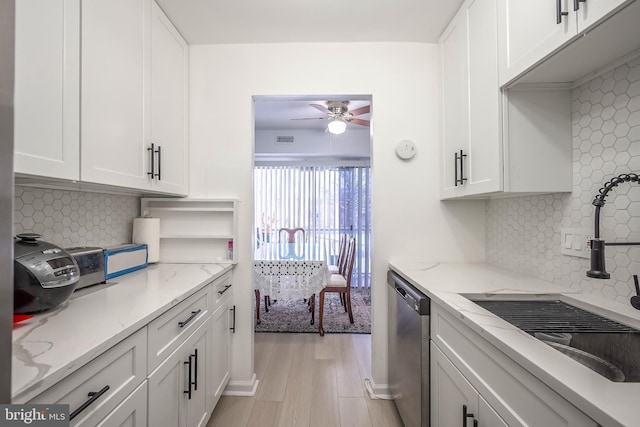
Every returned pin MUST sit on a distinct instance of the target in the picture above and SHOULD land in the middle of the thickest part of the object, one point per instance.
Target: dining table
(290, 271)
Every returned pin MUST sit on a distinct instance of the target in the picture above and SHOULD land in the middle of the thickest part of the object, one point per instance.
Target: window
(326, 201)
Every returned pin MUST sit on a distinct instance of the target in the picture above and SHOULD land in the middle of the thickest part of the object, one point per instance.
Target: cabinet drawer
(132, 412)
(516, 395)
(222, 289)
(168, 331)
(122, 368)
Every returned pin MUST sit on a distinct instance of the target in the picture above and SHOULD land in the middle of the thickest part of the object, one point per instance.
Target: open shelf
(194, 230)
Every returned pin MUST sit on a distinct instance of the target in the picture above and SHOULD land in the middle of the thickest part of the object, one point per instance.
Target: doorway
(309, 179)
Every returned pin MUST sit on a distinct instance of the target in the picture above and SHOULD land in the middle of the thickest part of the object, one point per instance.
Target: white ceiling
(297, 21)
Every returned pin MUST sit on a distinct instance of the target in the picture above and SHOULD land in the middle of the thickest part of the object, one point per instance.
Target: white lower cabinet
(179, 391)
(137, 383)
(132, 412)
(468, 370)
(455, 401)
(223, 324)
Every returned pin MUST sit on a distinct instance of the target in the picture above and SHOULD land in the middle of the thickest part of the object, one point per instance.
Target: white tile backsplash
(74, 218)
(523, 233)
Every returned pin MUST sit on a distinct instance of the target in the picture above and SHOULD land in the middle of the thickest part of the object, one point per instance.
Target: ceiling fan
(338, 114)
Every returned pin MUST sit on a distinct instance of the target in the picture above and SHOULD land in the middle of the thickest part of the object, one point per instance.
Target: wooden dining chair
(291, 233)
(342, 256)
(340, 283)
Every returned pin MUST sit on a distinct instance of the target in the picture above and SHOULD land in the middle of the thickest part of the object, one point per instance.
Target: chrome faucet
(598, 270)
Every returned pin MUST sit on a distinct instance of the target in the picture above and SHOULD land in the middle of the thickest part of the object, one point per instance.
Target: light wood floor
(308, 380)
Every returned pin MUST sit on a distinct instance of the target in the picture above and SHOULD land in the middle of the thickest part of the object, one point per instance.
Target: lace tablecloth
(289, 279)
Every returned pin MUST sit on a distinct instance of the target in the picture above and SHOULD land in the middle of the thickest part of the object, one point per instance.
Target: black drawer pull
(93, 396)
(233, 328)
(152, 164)
(195, 368)
(226, 288)
(559, 12)
(190, 318)
(159, 174)
(190, 381)
(466, 415)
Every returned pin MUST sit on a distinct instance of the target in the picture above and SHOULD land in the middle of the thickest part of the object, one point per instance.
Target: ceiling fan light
(337, 126)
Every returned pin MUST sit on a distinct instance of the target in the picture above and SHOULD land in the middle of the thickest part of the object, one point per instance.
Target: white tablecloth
(290, 270)
(289, 279)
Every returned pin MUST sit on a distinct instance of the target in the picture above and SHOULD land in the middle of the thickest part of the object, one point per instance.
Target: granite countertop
(53, 344)
(606, 402)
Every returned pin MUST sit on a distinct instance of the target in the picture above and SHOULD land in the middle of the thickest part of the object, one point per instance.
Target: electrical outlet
(575, 242)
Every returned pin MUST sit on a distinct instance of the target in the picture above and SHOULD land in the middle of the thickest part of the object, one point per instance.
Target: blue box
(123, 259)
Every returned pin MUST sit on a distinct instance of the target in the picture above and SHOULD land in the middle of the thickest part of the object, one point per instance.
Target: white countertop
(51, 345)
(606, 402)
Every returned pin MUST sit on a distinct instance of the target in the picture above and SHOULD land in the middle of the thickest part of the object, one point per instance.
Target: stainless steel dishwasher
(409, 350)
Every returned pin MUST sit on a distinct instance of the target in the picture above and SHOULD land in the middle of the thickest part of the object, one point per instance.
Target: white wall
(408, 218)
(353, 143)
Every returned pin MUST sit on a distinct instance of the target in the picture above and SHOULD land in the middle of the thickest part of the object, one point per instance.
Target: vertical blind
(326, 201)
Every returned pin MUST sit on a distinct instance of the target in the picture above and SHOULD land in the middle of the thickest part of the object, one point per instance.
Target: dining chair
(342, 252)
(291, 233)
(340, 283)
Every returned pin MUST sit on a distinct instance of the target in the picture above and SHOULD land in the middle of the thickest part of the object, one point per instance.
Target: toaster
(90, 260)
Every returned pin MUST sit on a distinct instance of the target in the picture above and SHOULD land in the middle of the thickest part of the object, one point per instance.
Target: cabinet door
(115, 69)
(471, 102)
(47, 88)
(455, 101)
(132, 412)
(221, 361)
(169, 87)
(167, 385)
(589, 12)
(199, 353)
(484, 160)
(449, 392)
(528, 32)
(487, 417)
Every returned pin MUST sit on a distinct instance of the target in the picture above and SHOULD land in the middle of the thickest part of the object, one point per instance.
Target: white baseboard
(378, 391)
(242, 388)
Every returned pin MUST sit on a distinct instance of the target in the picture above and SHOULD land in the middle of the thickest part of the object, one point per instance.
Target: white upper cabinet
(493, 141)
(129, 49)
(531, 31)
(47, 88)
(169, 88)
(471, 143)
(115, 69)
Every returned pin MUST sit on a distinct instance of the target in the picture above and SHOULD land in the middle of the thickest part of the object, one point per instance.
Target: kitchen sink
(603, 345)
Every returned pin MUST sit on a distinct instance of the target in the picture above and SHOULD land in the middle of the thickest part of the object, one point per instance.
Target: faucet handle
(635, 300)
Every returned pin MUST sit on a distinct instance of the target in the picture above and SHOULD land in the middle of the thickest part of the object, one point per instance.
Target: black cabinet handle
(190, 379)
(190, 318)
(93, 396)
(455, 168)
(466, 415)
(459, 158)
(559, 12)
(159, 152)
(226, 288)
(195, 368)
(475, 423)
(151, 151)
(233, 328)
(576, 4)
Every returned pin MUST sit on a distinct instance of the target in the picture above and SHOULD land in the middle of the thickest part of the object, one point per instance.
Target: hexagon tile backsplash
(74, 218)
(523, 233)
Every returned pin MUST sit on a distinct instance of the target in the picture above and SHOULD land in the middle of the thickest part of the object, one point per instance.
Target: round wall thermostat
(405, 149)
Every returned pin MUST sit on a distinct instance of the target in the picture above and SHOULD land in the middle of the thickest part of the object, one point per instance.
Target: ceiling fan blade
(311, 118)
(360, 122)
(321, 108)
(362, 110)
